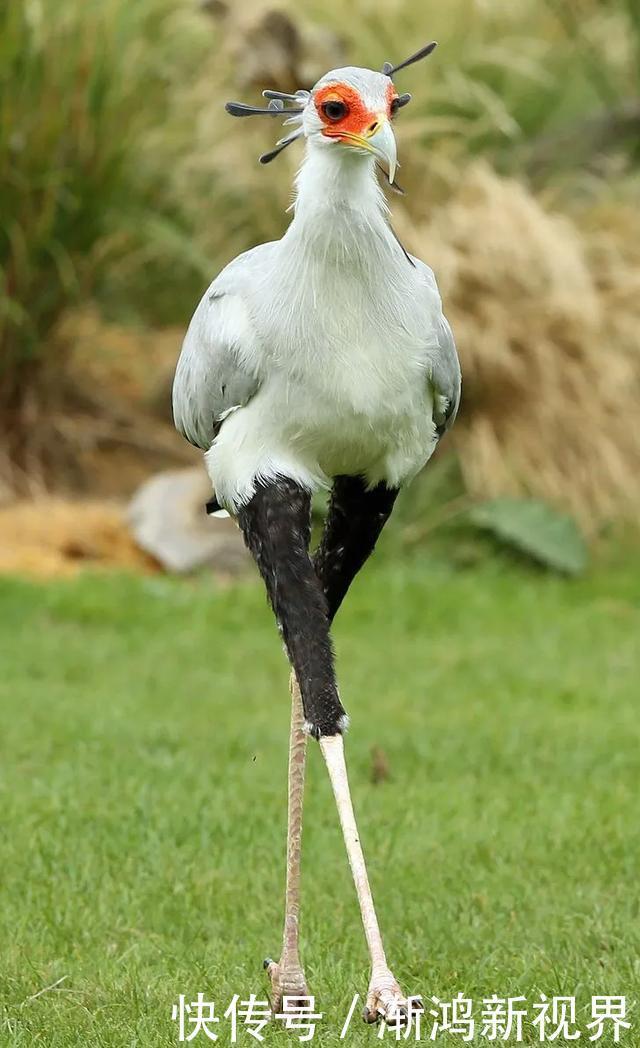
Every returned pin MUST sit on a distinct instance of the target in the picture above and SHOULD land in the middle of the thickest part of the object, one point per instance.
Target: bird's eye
(335, 110)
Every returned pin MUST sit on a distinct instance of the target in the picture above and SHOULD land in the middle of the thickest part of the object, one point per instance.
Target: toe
(398, 1014)
(387, 1003)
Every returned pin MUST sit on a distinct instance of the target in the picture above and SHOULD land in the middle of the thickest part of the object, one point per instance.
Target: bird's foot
(385, 1000)
(287, 980)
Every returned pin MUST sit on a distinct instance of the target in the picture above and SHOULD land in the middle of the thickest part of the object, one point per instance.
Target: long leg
(355, 519)
(276, 526)
(384, 997)
(287, 976)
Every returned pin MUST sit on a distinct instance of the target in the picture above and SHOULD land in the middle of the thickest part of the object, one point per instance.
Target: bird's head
(348, 109)
(351, 109)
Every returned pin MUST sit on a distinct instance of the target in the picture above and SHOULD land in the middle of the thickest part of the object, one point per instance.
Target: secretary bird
(321, 360)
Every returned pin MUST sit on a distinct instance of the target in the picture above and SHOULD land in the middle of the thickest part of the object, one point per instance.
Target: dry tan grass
(54, 537)
(126, 361)
(547, 319)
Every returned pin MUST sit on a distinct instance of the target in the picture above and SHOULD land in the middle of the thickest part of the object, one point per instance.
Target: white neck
(339, 202)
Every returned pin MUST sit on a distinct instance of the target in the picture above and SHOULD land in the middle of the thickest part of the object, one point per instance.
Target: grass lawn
(143, 776)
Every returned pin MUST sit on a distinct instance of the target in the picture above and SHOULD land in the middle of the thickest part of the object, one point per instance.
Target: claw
(286, 981)
(399, 1016)
(386, 1001)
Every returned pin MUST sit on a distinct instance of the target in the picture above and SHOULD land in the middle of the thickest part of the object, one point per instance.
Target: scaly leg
(384, 998)
(287, 977)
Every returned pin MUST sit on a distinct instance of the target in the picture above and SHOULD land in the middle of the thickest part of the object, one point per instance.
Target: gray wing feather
(444, 366)
(214, 375)
(446, 379)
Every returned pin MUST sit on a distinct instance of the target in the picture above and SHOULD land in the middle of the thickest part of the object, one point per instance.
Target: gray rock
(167, 519)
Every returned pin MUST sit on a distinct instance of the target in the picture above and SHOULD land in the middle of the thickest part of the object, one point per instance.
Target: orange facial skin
(358, 120)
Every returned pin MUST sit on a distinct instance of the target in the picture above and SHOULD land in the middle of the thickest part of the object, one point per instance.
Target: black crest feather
(389, 70)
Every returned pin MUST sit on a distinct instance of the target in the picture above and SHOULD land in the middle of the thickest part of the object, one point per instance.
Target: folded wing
(443, 364)
(218, 367)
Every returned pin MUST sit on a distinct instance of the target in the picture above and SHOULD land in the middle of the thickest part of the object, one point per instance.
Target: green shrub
(82, 83)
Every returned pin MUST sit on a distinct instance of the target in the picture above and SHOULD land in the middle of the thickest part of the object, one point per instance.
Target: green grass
(143, 774)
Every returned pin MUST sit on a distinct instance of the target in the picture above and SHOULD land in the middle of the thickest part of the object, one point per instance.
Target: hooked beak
(379, 140)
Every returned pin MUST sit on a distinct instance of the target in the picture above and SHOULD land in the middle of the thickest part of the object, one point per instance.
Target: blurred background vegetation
(125, 187)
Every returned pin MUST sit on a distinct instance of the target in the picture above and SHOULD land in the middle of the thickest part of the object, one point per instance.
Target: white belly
(313, 428)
